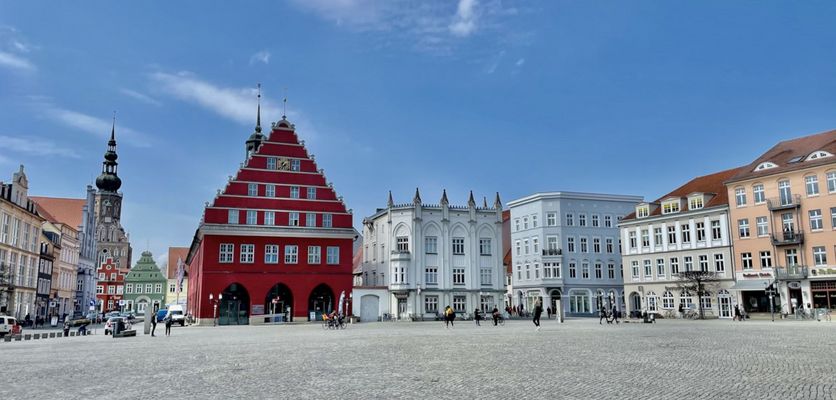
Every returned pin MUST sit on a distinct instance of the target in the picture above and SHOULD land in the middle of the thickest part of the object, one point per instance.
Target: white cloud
(350, 12)
(494, 61)
(520, 62)
(140, 97)
(35, 146)
(262, 56)
(15, 62)
(464, 23)
(97, 126)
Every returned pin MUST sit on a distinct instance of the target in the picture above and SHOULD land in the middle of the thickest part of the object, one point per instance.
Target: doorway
(401, 307)
(724, 302)
(320, 301)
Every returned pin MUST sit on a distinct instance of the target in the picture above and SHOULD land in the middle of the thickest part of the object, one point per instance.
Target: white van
(177, 315)
(6, 325)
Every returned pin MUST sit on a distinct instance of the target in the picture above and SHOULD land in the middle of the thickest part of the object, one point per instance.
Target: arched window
(667, 300)
(765, 165)
(579, 301)
(706, 300)
(685, 299)
(652, 302)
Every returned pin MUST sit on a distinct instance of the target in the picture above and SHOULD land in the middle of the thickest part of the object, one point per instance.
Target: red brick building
(276, 240)
(110, 286)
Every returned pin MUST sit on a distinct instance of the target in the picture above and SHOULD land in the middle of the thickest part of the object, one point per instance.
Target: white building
(685, 230)
(426, 257)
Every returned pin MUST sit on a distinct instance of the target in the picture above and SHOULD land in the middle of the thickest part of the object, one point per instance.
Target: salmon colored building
(275, 243)
(783, 215)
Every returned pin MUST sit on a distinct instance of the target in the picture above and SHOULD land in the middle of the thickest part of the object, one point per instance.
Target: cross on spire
(258, 115)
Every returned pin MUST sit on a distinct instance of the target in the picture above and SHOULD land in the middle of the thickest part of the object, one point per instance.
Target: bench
(125, 333)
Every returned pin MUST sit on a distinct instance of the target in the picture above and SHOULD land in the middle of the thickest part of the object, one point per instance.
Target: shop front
(754, 295)
(824, 294)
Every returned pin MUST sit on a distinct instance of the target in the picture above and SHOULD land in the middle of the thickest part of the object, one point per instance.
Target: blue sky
(510, 96)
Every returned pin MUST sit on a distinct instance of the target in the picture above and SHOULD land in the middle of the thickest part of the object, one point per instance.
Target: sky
(492, 96)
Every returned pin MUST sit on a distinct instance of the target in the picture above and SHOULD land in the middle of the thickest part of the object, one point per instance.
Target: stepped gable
(281, 160)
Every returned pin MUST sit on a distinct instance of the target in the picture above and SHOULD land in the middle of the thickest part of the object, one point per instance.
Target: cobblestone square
(577, 359)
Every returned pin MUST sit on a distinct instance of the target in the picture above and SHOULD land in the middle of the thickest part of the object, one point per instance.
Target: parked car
(177, 315)
(7, 326)
(161, 315)
(128, 316)
(110, 322)
(112, 314)
(95, 317)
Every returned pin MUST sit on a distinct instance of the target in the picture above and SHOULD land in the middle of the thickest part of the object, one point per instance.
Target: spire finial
(258, 114)
(497, 204)
(113, 127)
(484, 201)
(417, 198)
(444, 200)
(390, 203)
(284, 105)
(470, 201)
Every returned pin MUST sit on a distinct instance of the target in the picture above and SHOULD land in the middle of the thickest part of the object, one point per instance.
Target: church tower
(111, 239)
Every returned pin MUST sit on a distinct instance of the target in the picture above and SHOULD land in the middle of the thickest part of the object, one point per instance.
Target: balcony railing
(788, 238)
(552, 252)
(783, 203)
(791, 273)
(400, 255)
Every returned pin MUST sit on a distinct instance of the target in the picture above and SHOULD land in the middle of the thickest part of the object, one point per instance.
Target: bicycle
(500, 320)
(691, 314)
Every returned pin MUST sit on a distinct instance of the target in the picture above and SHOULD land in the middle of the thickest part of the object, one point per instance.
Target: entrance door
(724, 301)
(635, 302)
(369, 308)
(402, 307)
(796, 294)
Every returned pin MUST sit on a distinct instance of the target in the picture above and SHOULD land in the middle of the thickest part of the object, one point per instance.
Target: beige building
(176, 261)
(20, 234)
(64, 269)
(783, 214)
(684, 230)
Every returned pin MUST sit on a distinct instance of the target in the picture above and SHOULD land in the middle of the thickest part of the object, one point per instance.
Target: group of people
(477, 316)
(168, 321)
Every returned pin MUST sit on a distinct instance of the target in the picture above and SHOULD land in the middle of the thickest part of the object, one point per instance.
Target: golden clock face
(284, 164)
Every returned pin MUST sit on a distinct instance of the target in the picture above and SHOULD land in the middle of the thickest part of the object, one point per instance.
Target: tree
(701, 282)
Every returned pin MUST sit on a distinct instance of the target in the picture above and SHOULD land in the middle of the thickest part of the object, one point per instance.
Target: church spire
(254, 142)
(417, 198)
(108, 181)
(258, 114)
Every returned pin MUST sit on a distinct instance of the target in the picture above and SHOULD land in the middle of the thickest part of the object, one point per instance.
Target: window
(101, 274)
(719, 263)
(551, 219)
(551, 244)
(716, 233)
(293, 218)
(525, 222)
(402, 243)
(703, 263)
(599, 271)
(431, 245)
(294, 165)
(129, 288)
(252, 217)
(172, 287)
(570, 220)
(113, 276)
(610, 247)
(833, 217)
(787, 222)
(596, 245)
(584, 247)
(670, 207)
(831, 182)
(460, 304)
(581, 219)
(688, 262)
(819, 256)
(645, 238)
(458, 276)
(696, 203)
(758, 193)
(533, 221)
(648, 269)
(608, 221)
(458, 246)
(792, 257)
(762, 226)
(291, 254)
(314, 254)
(635, 268)
(632, 235)
(746, 260)
(247, 253)
(816, 220)
(232, 217)
(674, 261)
(706, 300)
(667, 300)
(785, 191)
(271, 254)
(671, 235)
(270, 190)
(740, 197)
(99, 289)
(111, 290)
(570, 244)
(485, 275)
(812, 184)
(158, 288)
(579, 301)
(700, 231)
(743, 228)
(294, 192)
(227, 253)
(535, 244)
(149, 288)
(431, 304)
(595, 220)
(333, 256)
(431, 275)
(519, 272)
(327, 220)
(485, 246)
(311, 193)
(685, 299)
(573, 273)
(660, 267)
(642, 212)
(399, 275)
(657, 236)
(686, 234)
(527, 271)
(611, 270)
(517, 224)
(518, 247)
(271, 163)
(766, 259)
(252, 189)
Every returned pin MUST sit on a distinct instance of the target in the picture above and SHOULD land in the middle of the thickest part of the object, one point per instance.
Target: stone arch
(234, 305)
(279, 300)
(320, 300)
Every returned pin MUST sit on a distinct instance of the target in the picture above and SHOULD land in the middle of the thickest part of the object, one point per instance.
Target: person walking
(168, 322)
(615, 314)
(153, 317)
(495, 315)
(449, 316)
(538, 309)
(477, 316)
(737, 313)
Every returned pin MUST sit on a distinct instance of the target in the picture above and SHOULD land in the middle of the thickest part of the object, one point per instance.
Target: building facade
(20, 234)
(64, 267)
(783, 209)
(276, 240)
(177, 286)
(432, 256)
(111, 240)
(684, 230)
(50, 245)
(110, 285)
(145, 286)
(565, 251)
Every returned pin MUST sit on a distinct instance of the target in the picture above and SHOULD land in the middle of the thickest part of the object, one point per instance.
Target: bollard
(27, 337)
(60, 334)
(72, 333)
(51, 335)
(36, 337)
(7, 338)
(18, 338)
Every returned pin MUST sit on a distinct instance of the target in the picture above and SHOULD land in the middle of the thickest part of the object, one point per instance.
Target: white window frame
(252, 189)
(271, 254)
(232, 216)
(332, 255)
(226, 253)
(293, 218)
(314, 255)
(247, 254)
(311, 195)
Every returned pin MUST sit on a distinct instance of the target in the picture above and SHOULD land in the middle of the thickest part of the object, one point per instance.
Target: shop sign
(823, 271)
(757, 275)
(257, 309)
(794, 285)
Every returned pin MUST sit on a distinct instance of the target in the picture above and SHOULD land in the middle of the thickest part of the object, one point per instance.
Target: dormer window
(765, 165)
(670, 207)
(695, 203)
(818, 154)
(642, 211)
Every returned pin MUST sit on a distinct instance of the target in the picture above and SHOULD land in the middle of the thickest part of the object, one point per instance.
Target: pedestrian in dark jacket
(477, 316)
(538, 309)
(153, 317)
(737, 316)
(168, 322)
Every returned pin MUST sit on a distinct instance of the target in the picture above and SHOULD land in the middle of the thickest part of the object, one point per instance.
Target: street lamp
(770, 291)
(215, 307)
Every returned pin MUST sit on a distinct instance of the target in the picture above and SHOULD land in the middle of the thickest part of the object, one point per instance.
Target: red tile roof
(783, 152)
(506, 240)
(357, 261)
(175, 253)
(61, 210)
(709, 184)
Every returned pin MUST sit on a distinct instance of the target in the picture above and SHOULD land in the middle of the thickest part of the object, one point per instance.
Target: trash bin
(118, 327)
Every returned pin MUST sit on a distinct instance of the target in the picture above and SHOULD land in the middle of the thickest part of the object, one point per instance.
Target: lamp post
(215, 307)
(770, 291)
(347, 307)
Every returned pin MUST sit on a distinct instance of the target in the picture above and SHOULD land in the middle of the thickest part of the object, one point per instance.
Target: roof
(787, 150)
(357, 261)
(175, 253)
(506, 240)
(709, 184)
(61, 210)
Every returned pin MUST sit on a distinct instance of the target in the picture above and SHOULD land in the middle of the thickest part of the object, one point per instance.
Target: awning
(751, 284)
